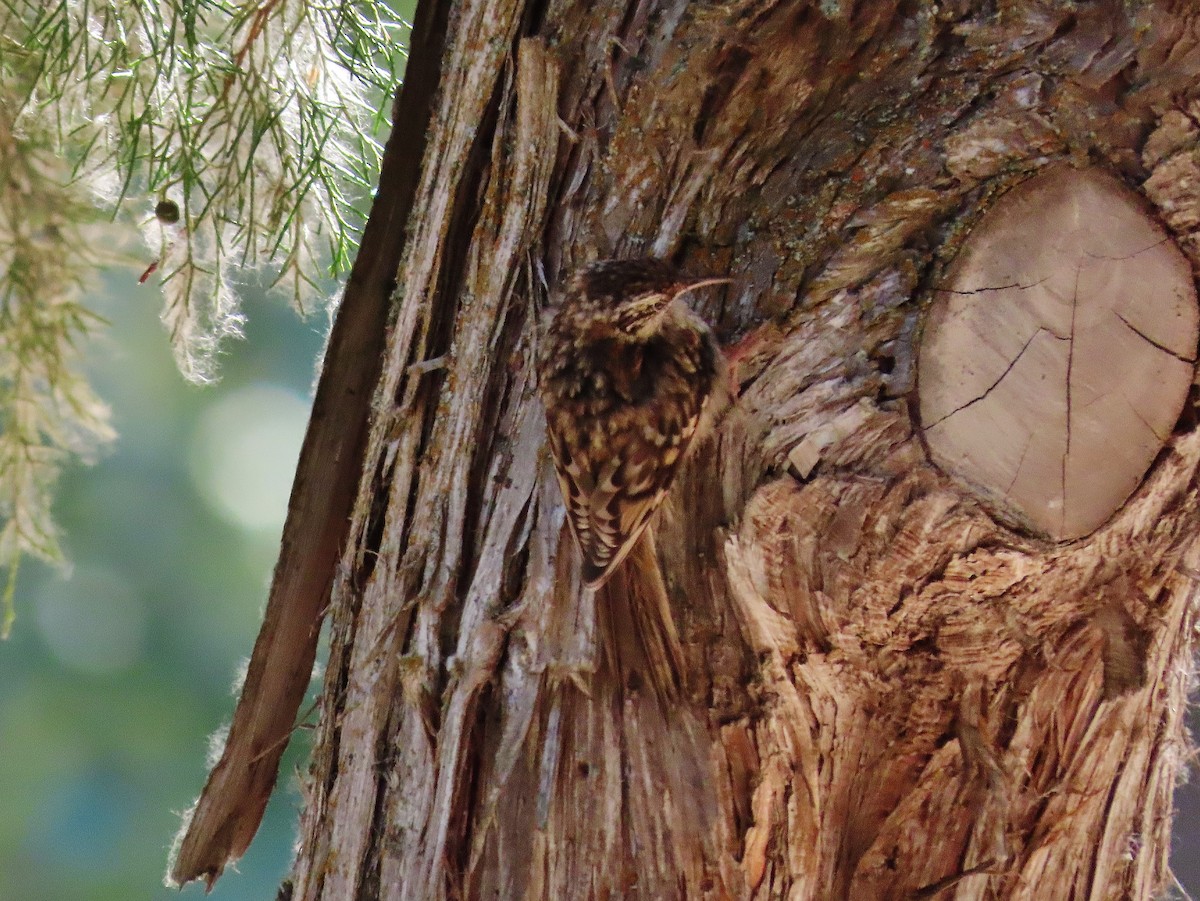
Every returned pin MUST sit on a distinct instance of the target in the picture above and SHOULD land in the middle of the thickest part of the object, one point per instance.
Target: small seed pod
(167, 212)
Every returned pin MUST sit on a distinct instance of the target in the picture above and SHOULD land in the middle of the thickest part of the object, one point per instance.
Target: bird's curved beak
(690, 286)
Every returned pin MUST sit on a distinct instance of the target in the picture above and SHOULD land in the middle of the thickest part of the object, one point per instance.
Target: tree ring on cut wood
(1057, 356)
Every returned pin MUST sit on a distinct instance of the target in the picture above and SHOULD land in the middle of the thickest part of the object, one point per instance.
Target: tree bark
(852, 679)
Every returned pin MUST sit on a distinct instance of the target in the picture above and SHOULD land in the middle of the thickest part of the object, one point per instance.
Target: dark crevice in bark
(459, 850)
(728, 66)
(373, 527)
(533, 19)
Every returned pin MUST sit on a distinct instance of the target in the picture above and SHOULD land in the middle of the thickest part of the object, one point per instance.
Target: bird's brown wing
(612, 496)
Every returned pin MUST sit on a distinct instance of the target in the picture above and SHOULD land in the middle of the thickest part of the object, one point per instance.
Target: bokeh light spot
(243, 454)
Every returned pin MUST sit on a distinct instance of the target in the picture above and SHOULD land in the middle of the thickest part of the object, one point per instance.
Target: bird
(628, 377)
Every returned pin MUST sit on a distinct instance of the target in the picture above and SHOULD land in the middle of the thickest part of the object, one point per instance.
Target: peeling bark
(850, 681)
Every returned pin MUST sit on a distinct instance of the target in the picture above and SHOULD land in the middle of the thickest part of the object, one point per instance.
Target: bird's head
(630, 296)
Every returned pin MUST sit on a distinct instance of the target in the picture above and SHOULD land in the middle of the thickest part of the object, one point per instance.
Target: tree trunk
(864, 672)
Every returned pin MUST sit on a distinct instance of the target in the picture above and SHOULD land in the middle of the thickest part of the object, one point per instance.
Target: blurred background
(118, 670)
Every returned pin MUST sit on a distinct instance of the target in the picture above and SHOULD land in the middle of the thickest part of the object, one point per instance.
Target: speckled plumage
(626, 375)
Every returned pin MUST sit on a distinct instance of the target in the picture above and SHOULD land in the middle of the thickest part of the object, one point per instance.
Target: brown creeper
(626, 377)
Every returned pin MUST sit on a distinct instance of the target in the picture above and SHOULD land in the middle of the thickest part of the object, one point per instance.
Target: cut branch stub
(1056, 358)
